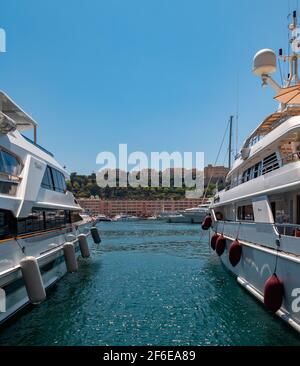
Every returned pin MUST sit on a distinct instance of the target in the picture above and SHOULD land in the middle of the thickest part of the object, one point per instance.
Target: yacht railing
(38, 146)
(256, 138)
(266, 168)
(289, 229)
(249, 229)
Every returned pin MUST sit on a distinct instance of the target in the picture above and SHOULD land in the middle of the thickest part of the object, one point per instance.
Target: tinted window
(245, 213)
(53, 179)
(60, 181)
(9, 164)
(9, 188)
(47, 179)
(6, 224)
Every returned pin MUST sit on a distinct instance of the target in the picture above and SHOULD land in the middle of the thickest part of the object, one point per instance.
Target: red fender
(206, 224)
(220, 245)
(235, 253)
(273, 293)
(213, 241)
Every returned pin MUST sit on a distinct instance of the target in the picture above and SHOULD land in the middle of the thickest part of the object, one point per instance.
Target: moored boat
(38, 215)
(256, 218)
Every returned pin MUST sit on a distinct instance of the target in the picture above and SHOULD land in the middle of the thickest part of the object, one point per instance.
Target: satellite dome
(264, 62)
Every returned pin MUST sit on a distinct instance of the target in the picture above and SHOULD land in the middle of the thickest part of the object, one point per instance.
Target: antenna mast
(294, 40)
(230, 142)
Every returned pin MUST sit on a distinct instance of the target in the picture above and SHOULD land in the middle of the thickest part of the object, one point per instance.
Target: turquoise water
(148, 283)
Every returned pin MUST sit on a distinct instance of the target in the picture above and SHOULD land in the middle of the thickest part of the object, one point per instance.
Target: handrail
(294, 227)
(294, 233)
(264, 170)
(38, 146)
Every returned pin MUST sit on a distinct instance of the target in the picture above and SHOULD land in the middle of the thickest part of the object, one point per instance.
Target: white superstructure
(260, 205)
(37, 213)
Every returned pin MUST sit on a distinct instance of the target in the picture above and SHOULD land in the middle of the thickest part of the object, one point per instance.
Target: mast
(230, 142)
(293, 77)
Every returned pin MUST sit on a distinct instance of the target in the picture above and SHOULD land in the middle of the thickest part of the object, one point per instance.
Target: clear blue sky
(159, 75)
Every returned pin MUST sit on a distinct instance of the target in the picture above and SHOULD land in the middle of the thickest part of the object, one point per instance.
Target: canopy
(22, 120)
(289, 95)
(271, 122)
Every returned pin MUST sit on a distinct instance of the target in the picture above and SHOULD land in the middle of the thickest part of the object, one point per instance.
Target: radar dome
(264, 62)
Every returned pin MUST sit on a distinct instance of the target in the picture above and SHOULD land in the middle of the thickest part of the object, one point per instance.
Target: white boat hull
(51, 263)
(257, 264)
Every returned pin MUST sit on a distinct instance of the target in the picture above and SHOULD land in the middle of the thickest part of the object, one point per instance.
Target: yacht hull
(257, 264)
(52, 266)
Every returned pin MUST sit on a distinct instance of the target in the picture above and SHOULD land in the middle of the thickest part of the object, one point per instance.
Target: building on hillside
(143, 208)
(215, 174)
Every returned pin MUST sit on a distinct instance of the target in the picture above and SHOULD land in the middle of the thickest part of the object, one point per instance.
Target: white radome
(264, 62)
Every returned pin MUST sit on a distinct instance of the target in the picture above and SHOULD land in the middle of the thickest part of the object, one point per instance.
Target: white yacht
(256, 218)
(123, 217)
(38, 216)
(194, 215)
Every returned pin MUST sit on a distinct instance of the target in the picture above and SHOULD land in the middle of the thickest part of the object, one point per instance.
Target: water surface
(148, 283)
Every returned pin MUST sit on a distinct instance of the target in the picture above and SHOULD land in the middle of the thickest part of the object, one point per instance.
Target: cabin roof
(272, 121)
(22, 120)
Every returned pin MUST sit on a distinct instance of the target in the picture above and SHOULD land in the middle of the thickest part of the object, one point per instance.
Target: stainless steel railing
(267, 168)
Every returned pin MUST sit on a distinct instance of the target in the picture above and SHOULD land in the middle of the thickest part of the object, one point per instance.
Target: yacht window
(47, 179)
(62, 181)
(270, 163)
(245, 213)
(54, 180)
(2, 166)
(58, 179)
(40, 220)
(257, 170)
(11, 164)
(248, 174)
(9, 188)
(6, 224)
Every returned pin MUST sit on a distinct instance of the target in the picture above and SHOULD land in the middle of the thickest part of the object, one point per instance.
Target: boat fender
(95, 235)
(70, 257)
(206, 224)
(83, 245)
(235, 252)
(213, 241)
(70, 237)
(273, 293)
(33, 280)
(220, 245)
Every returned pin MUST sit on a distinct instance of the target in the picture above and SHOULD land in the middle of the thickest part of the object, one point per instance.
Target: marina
(148, 284)
(115, 230)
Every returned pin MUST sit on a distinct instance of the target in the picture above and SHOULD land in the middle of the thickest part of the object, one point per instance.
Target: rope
(280, 71)
(225, 157)
(21, 247)
(216, 227)
(276, 258)
(223, 227)
(217, 158)
(238, 231)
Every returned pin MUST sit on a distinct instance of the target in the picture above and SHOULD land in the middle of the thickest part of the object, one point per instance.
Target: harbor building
(215, 174)
(141, 208)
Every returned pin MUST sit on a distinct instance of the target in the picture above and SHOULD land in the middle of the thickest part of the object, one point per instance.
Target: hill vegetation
(85, 186)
